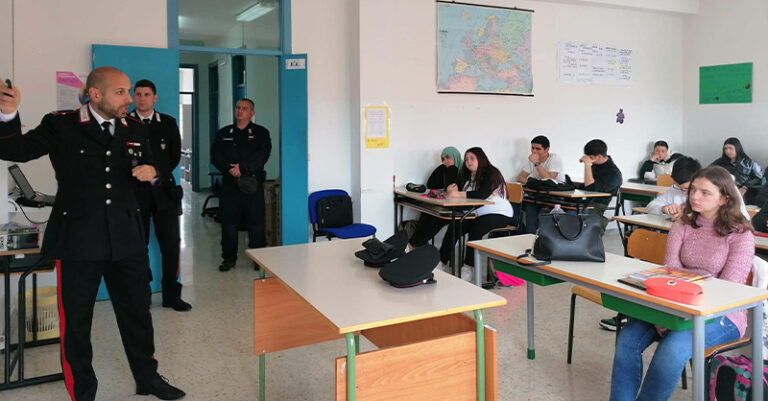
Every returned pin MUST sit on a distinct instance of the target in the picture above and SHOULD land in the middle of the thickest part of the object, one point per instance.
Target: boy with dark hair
(541, 165)
(600, 175)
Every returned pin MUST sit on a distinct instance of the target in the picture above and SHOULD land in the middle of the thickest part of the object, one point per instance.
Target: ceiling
(207, 21)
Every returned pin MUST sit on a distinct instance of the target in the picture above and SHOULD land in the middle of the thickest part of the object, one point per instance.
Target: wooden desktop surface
(719, 295)
(447, 202)
(353, 297)
(634, 187)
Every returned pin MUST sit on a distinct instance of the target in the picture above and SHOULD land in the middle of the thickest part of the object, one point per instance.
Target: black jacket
(165, 143)
(745, 171)
(442, 177)
(607, 179)
(95, 216)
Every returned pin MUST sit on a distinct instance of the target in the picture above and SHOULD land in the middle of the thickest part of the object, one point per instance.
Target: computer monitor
(18, 176)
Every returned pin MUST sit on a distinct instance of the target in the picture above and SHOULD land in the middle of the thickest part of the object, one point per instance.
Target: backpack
(334, 211)
(730, 378)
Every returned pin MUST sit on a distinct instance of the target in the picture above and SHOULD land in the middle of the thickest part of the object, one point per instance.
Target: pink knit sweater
(703, 250)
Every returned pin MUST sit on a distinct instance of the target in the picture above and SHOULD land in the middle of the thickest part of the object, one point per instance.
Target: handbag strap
(582, 225)
(527, 263)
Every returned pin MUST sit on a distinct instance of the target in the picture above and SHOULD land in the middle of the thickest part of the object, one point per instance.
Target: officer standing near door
(240, 152)
(99, 155)
(162, 203)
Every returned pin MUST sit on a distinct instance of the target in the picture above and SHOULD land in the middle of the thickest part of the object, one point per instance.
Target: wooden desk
(16, 363)
(576, 199)
(639, 192)
(320, 292)
(720, 297)
(454, 209)
(661, 223)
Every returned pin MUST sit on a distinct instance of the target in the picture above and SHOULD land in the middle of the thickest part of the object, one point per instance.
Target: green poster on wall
(729, 83)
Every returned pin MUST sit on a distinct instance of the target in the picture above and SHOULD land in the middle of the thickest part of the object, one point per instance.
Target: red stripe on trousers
(69, 380)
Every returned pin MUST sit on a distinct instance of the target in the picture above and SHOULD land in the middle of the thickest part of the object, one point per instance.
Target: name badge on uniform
(228, 139)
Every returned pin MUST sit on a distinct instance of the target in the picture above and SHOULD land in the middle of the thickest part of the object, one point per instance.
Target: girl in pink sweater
(712, 236)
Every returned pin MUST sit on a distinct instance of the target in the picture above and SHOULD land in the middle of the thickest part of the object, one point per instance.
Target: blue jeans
(532, 211)
(672, 353)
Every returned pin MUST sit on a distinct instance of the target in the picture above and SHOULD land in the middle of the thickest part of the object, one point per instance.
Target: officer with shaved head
(100, 155)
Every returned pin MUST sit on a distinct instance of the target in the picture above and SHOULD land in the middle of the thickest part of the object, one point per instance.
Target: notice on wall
(593, 63)
(377, 127)
(730, 83)
(70, 90)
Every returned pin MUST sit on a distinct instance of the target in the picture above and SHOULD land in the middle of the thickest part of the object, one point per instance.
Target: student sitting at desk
(745, 171)
(600, 175)
(658, 158)
(444, 175)
(540, 165)
(672, 202)
(760, 221)
(478, 179)
(712, 236)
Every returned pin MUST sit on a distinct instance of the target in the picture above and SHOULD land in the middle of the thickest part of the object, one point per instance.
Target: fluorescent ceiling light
(256, 11)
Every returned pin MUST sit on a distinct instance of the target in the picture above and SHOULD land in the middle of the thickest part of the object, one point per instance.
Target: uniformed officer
(162, 202)
(240, 151)
(99, 155)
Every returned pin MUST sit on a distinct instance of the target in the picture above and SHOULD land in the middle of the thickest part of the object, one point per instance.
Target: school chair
(343, 231)
(642, 244)
(665, 180)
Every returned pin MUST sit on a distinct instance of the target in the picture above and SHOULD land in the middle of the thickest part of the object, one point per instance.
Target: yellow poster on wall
(377, 127)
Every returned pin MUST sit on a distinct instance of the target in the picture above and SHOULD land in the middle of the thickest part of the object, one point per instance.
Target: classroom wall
(57, 36)
(203, 114)
(397, 58)
(726, 33)
(6, 71)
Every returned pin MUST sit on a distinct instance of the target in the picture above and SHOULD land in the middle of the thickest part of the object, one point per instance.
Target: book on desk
(637, 279)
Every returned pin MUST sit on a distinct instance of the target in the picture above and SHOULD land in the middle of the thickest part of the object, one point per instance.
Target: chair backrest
(647, 245)
(316, 196)
(515, 192)
(664, 180)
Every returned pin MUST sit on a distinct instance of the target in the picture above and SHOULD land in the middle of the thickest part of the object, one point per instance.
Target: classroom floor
(208, 351)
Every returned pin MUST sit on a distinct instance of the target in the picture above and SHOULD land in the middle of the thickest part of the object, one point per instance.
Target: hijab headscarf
(454, 154)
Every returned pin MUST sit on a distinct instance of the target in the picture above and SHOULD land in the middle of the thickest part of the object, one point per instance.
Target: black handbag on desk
(569, 237)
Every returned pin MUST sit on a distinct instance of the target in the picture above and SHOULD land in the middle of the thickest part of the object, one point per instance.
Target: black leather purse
(569, 237)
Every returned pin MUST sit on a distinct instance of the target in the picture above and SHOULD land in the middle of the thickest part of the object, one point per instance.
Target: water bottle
(557, 210)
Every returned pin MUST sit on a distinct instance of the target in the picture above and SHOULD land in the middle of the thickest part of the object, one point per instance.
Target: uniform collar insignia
(231, 130)
(157, 116)
(85, 116)
(122, 121)
(250, 131)
(133, 114)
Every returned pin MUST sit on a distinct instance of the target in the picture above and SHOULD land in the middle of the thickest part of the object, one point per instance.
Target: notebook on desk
(29, 197)
(637, 279)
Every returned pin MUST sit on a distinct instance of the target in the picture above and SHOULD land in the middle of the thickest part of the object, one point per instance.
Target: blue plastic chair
(354, 230)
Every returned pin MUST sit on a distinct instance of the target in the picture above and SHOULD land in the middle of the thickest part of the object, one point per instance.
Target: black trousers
(241, 210)
(128, 283)
(427, 227)
(476, 228)
(168, 238)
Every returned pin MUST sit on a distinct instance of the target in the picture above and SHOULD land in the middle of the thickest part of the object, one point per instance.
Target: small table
(12, 363)
(321, 292)
(720, 297)
(454, 209)
(576, 199)
(634, 191)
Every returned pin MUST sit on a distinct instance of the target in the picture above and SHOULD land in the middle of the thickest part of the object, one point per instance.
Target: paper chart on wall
(376, 126)
(70, 90)
(592, 63)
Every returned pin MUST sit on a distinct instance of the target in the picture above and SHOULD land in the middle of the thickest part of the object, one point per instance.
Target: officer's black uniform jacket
(95, 216)
(250, 148)
(165, 144)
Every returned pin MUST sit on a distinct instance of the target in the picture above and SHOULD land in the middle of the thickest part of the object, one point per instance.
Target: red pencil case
(674, 290)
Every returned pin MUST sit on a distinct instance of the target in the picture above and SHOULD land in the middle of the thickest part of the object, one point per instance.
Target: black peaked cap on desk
(398, 243)
(412, 269)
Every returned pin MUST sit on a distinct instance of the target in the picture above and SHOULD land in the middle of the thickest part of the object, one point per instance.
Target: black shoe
(177, 305)
(159, 387)
(610, 324)
(226, 265)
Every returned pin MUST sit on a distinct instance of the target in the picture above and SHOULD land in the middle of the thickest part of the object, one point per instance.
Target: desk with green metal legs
(427, 347)
(720, 297)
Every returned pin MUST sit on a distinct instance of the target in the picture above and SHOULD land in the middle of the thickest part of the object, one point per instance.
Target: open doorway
(220, 80)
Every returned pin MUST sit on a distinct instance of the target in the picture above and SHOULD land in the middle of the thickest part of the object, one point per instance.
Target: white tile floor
(208, 352)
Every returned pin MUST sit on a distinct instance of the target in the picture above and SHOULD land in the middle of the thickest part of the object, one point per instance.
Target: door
(160, 66)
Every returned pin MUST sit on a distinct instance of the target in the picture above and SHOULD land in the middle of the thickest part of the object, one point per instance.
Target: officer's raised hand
(235, 170)
(144, 172)
(9, 98)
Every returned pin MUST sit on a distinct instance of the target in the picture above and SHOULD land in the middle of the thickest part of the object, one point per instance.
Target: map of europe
(483, 49)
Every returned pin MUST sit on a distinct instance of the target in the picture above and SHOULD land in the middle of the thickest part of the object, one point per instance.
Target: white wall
(57, 36)
(725, 33)
(397, 59)
(262, 86)
(6, 71)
